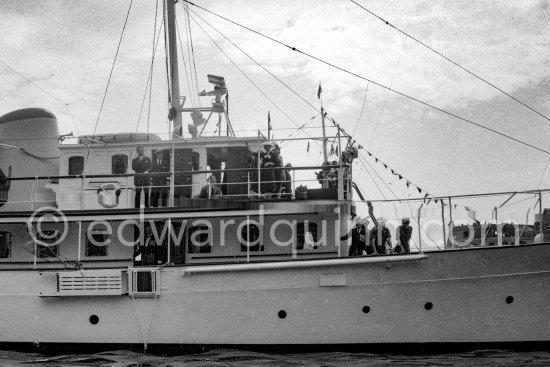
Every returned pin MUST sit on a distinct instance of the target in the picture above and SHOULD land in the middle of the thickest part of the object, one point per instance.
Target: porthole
(366, 309)
(94, 319)
(509, 299)
(282, 314)
(428, 306)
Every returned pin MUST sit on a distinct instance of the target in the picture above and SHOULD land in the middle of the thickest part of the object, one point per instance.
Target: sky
(66, 48)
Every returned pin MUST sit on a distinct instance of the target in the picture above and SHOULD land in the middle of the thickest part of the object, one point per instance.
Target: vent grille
(89, 282)
(143, 282)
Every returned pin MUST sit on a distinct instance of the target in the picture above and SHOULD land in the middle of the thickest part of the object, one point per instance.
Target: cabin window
(306, 235)
(76, 165)
(250, 235)
(97, 243)
(198, 240)
(5, 244)
(119, 164)
(49, 248)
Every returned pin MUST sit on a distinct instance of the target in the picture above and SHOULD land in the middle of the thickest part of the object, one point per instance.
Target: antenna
(219, 106)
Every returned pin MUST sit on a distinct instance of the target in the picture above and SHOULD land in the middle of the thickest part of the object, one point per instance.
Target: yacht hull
(492, 295)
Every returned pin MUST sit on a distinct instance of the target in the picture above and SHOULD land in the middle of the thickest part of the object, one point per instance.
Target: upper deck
(104, 172)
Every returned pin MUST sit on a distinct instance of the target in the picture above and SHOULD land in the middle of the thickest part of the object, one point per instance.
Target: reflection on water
(232, 357)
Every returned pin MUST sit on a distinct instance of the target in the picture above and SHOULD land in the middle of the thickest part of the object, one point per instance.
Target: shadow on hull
(54, 349)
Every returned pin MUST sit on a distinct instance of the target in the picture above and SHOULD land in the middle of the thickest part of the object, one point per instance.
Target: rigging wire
(451, 61)
(82, 66)
(543, 173)
(46, 92)
(153, 52)
(149, 84)
(471, 122)
(393, 202)
(245, 75)
(387, 92)
(189, 85)
(362, 109)
(112, 69)
(257, 63)
(190, 44)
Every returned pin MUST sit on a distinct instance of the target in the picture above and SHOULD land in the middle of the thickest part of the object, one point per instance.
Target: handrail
(166, 173)
(294, 264)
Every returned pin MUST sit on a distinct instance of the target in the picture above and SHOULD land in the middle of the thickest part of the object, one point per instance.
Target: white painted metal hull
(468, 290)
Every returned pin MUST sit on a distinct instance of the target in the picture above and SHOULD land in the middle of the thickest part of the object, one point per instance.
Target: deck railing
(464, 221)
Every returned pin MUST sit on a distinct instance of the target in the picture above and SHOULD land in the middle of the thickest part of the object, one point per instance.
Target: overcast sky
(67, 48)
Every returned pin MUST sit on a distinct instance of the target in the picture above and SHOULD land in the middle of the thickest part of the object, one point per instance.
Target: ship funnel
(29, 140)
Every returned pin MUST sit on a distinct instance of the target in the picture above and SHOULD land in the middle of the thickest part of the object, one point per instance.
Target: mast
(175, 106)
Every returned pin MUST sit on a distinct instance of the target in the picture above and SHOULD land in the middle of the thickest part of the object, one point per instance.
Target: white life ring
(108, 195)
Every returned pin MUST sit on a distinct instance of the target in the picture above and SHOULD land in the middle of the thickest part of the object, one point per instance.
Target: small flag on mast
(319, 92)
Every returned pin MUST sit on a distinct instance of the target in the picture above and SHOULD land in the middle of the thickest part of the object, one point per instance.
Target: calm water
(231, 357)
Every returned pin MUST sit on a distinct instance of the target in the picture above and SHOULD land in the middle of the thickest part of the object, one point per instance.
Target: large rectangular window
(48, 244)
(76, 165)
(250, 238)
(306, 235)
(5, 244)
(119, 164)
(97, 243)
(198, 240)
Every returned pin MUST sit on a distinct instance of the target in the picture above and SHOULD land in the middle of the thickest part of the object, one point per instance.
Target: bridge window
(49, 248)
(306, 235)
(198, 240)
(5, 244)
(119, 164)
(250, 235)
(97, 243)
(76, 165)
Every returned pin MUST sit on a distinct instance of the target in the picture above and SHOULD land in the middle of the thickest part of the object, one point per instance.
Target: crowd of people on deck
(377, 240)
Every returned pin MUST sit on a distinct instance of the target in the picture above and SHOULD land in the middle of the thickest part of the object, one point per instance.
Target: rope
(155, 44)
(246, 76)
(112, 69)
(190, 44)
(451, 61)
(471, 122)
(139, 324)
(191, 93)
(362, 109)
(149, 84)
(387, 92)
(257, 63)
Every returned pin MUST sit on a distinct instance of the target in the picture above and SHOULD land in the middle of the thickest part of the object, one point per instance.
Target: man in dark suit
(359, 238)
(141, 164)
(159, 192)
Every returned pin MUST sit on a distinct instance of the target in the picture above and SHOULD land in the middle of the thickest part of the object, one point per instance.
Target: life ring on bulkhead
(108, 195)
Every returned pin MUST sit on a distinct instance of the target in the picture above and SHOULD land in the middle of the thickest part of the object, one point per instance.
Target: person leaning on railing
(380, 237)
(403, 235)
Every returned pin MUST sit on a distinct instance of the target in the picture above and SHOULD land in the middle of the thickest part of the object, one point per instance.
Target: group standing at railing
(377, 241)
(154, 186)
(273, 178)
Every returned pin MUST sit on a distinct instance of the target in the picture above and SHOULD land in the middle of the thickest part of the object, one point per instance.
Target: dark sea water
(232, 357)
